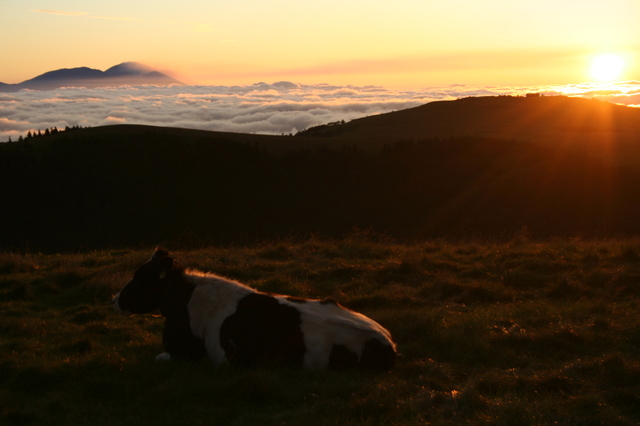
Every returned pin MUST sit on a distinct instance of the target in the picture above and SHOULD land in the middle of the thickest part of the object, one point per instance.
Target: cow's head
(143, 294)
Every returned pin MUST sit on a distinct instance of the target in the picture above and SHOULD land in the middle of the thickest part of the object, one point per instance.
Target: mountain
(128, 68)
(125, 74)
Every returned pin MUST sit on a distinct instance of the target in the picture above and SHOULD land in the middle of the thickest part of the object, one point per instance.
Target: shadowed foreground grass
(518, 333)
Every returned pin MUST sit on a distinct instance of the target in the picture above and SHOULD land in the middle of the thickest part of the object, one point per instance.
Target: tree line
(52, 131)
(85, 192)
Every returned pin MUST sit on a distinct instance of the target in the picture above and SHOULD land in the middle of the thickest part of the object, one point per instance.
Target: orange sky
(405, 43)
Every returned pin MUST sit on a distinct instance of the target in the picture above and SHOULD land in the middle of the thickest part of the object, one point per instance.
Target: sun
(607, 67)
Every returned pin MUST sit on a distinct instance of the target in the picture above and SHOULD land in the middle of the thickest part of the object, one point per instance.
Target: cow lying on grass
(207, 315)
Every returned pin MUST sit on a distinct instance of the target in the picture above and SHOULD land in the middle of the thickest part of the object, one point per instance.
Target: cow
(228, 322)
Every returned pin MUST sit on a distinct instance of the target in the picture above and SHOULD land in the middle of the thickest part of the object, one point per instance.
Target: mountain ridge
(534, 118)
(124, 74)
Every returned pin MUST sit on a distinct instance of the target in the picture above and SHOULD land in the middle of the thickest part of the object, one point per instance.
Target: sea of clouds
(278, 108)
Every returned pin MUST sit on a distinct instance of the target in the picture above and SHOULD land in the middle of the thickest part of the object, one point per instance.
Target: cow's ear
(159, 253)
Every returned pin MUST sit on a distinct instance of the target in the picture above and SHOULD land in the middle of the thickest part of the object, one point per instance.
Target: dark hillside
(276, 145)
(546, 119)
(133, 185)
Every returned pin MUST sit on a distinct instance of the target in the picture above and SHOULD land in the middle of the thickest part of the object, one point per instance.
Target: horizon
(405, 45)
(261, 108)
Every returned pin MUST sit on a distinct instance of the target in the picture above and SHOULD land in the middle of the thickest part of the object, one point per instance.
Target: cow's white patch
(213, 300)
(325, 325)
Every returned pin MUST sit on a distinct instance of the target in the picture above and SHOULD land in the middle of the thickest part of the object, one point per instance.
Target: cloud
(196, 27)
(7, 124)
(280, 107)
(84, 14)
(60, 12)
(114, 120)
(116, 18)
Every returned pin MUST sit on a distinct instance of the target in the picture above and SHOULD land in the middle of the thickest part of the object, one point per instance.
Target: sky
(400, 44)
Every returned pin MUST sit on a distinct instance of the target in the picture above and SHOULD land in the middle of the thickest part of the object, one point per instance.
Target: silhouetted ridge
(66, 74)
(541, 119)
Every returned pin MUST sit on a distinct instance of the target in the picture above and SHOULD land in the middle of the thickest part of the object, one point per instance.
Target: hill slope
(541, 119)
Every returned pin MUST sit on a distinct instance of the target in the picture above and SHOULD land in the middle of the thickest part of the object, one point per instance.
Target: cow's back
(242, 325)
(336, 337)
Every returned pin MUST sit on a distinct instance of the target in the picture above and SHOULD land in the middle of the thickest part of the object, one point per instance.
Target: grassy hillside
(522, 332)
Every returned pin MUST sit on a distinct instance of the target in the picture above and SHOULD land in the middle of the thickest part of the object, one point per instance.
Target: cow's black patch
(377, 356)
(263, 332)
(177, 338)
(341, 358)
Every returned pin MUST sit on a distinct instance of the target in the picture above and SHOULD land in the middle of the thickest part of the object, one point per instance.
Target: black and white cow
(207, 315)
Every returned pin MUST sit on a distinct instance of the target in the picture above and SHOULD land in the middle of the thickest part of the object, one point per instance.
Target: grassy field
(515, 333)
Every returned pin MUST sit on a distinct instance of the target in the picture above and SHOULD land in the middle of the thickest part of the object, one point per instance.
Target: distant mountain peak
(129, 68)
(124, 74)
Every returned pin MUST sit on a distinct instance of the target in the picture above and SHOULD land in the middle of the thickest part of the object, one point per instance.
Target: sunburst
(607, 67)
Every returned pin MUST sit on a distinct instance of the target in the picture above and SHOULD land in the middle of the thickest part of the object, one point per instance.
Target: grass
(515, 333)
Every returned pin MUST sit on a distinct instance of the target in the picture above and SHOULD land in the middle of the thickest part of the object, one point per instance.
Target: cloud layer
(277, 108)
